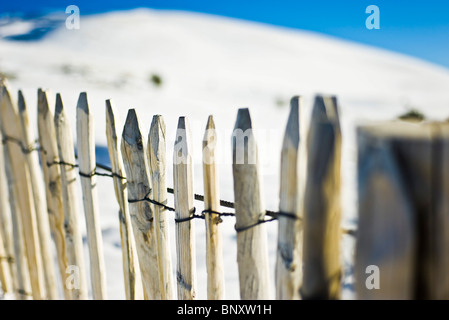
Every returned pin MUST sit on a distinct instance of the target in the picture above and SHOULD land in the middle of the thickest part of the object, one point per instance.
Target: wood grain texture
(157, 159)
(214, 242)
(289, 247)
(52, 178)
(74, 241)
(131, 269)
(183, 194)
(252, 255)
(40, 202)
(322, 209)
(23, 286)
(23, 193)
(87, 166)
(141, 212)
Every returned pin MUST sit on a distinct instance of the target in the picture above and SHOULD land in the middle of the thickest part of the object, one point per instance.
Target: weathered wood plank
(76, 273)
(289, 248)
(388, 212)
(252, 255)
(87, 167)
(141, 212)
(214, 243)
(131, 269)
(40, 202)
(185, 228)
(157, 159)
(23, 287)
(322, 211)
(52, 178)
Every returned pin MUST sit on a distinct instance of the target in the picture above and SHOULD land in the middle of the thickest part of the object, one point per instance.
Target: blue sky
(418, 28)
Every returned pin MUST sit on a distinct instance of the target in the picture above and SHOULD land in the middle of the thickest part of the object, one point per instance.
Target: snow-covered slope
(212, 65)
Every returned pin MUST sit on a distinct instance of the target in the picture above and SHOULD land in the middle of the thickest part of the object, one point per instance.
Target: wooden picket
(214, 242)
(141, 212)
(157, 160)
(23, 285)
(74, 242)
(252, 255)
(52, 178)
(87, 167)
(131, 269)
(289, 248)
(404, 212)
(322, 212)
(183, 193)
(40, 201)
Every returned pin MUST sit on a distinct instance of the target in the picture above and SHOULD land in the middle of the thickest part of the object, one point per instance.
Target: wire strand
(274, 215)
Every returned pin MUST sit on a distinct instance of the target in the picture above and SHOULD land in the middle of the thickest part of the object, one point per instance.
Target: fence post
(252, 255)
(11, 132)
(214, 244)
(183, 194)
(52, 178)
(141, 211)
(75, 278)
(322, 229)
(87, 167)
(290, 232)
(403, 175)
(131, 269)
(6, 229)
(40, 203)
(157, 160)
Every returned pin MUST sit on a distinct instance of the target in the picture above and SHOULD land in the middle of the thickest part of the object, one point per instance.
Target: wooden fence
(39, 204)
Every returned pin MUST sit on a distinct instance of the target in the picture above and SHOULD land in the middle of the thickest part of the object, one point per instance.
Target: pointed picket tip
(4, 93)
(183, 131)
(182, 122)
(42, 102)
(183, 141)
(109, 109)
(292, 136)
(319, 111)
(131, 131)
(110, 119)
(157, 125)
(209, 133)
(4, 86)
(59, 107)
(325, 108)
(243, 121)
(156, 138)
(7, 104)
(210, 122)
(21, 102)
(82, 103)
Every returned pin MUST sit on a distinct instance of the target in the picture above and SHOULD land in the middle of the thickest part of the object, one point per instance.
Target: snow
(215, 65)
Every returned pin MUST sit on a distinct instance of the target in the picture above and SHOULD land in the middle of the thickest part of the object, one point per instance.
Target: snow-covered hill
(214, 65)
